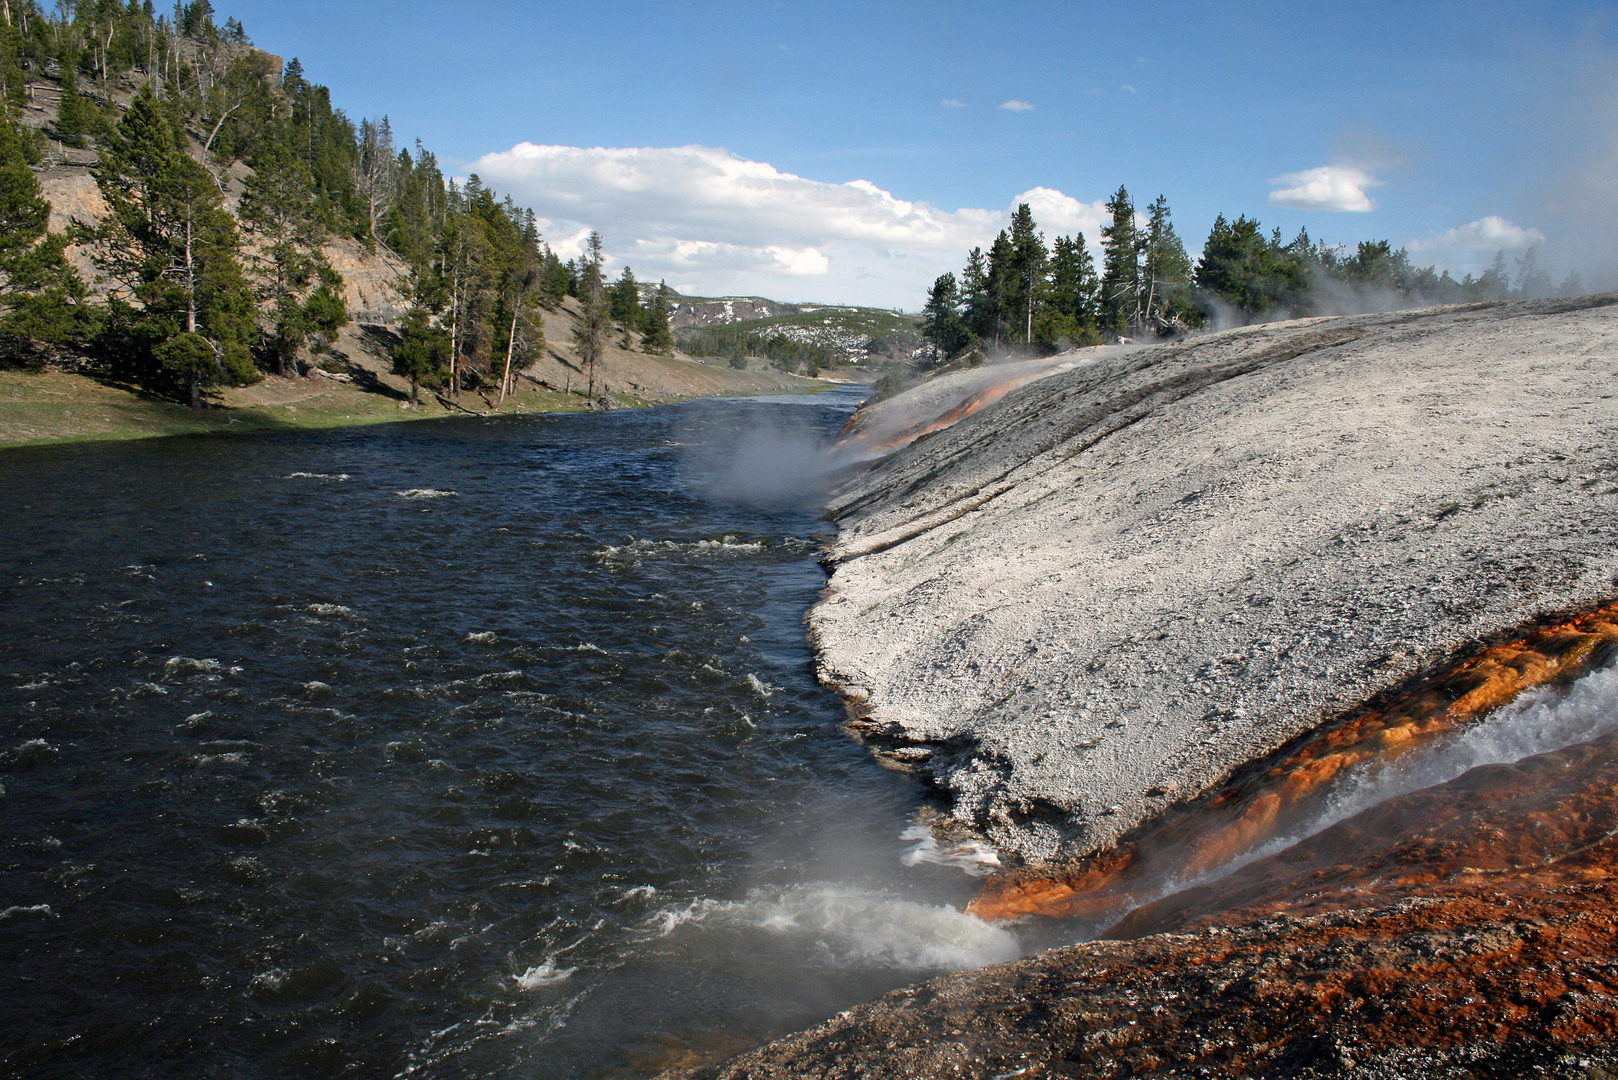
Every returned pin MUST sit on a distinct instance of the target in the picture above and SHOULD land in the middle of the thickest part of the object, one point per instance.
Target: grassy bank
(50, 406)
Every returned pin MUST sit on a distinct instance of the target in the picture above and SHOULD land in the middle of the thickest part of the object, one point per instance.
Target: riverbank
(1217, 640)
(54, 406)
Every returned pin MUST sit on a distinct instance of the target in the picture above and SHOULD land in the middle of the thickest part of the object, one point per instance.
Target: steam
(773, 465)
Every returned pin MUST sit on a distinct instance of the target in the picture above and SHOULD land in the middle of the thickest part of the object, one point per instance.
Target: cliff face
(1098, 596)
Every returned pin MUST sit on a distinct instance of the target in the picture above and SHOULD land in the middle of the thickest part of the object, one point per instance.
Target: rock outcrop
(1098, 596)
(1136, 618)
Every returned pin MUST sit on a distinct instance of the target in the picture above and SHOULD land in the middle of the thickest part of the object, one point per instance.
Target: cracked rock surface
(1103, 592)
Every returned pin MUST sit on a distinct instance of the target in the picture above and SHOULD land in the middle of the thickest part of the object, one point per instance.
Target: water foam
(176, 666)
(972, 857)
(317, 476)
(844, 926)
(424, 493)
(543, 974)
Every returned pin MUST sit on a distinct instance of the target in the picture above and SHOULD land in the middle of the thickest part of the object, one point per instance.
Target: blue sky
(1456, 128)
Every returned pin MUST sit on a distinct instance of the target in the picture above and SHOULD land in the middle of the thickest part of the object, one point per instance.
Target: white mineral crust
(1099, 594)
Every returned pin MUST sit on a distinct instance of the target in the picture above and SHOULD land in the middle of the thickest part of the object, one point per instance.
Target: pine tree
(375, 173)
(1025, 280)
(658, 337)
(623, 300)
(289, 264)
(169, 246)
(1166, 268)
(941, 319)
(1001, 289)
(12, 78)
(981, 316)
(75, 117)
(527, 329)
(1248, 271)
(590, 329)
(422, 352)
(1072, 292)
(1120, 276)
(42, 298)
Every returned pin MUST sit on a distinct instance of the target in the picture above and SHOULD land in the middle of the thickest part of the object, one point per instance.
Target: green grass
(39, 408)
(44, 407)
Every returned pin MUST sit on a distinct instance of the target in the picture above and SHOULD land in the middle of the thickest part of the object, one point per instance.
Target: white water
(844, 926)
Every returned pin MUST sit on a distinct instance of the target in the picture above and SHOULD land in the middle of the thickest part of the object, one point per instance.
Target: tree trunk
(190, 282)
(415, 392)
(454, 334)
(511, 344)
(196, 390)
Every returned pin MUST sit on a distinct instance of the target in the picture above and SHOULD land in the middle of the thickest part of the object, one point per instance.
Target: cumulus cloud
(952, 103)
(1057, 214)
(1016, 106)
(713, 223)
(1489, 234)
(1331, 187)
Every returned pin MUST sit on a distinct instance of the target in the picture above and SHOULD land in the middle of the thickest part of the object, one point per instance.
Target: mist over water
(473, 748)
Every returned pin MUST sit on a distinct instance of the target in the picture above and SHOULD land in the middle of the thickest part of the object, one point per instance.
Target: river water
(445, 749)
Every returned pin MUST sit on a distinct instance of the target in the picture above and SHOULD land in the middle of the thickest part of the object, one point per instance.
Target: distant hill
(825, 333)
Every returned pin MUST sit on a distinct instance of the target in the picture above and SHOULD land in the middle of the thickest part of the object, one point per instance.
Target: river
(443, 749)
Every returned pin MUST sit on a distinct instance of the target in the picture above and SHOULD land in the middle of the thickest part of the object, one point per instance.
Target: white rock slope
(1104, 591)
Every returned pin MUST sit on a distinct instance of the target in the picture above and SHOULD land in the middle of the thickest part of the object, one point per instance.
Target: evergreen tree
(423, 351)
(75, 117)
(190, 357)
(1072, 293)
(555, 280)
(1121, 275)
(1494, 284)
(1001, 310)
(376, 172)
(590, 329)
(1251, 273)
(527, 329)
(1532, 279)
(657, 337)
(12, 78)
(289, 265)
(941, 319)
(1025, 277)
(42, 298)
(1166, 268)
(981, 314)
(623, 300)
(170, 247)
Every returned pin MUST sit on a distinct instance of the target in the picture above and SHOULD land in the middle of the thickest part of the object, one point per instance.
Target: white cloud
(952, 103)
(1128, 88)
(1330, 187)
(1062, 215)
(713, 223)
(1488, 235)
(1016, 106)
